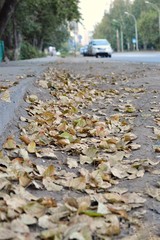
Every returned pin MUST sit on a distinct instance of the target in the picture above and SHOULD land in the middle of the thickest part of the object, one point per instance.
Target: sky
(92, 12)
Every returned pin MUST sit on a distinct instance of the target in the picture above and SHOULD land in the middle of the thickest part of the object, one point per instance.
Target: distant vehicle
(81, 50)
(100, 48)
(84, 50)
(52, 51)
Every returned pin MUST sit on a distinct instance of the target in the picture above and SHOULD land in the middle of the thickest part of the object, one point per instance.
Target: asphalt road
(145, 57)
(142, 57)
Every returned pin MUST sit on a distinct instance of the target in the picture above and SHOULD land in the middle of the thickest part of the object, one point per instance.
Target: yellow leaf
(19, 227)
(34, 209)
(78, 183)
(50, 185)
(72, 163)
(114, 197)
(31, 147)
(49, 172)
(9, 144)
(71, 203)
(63, 142)
(6, 96)
(62, 127)
(32, 98)
(24, 180)
(85, 159)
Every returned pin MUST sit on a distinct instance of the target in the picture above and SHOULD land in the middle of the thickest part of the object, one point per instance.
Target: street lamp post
(158, 10)
(136, 31)
(114, 20)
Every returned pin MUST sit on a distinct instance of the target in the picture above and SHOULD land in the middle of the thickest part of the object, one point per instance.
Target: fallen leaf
(25, 139)
(19, 227)
(24, 180)
(48, 153)
(6, 96)
(27, 219)
(9, 143)
(72, 163)
(50, 185)
(49, 171)
(78, 183)
(34, 209)
(6, 233)
(31, 148)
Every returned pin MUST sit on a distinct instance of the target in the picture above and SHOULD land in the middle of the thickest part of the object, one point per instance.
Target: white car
(100, 48)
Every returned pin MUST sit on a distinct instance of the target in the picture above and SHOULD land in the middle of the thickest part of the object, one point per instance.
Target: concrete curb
(31, 70)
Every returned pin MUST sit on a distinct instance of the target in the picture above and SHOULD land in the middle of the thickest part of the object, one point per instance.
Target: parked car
(84, 50)
(100, 48)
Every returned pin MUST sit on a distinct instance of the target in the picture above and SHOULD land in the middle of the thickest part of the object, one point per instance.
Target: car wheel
(109, 55)
(97, 55)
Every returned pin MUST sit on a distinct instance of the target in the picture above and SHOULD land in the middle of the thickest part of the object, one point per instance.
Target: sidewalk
(83, 159)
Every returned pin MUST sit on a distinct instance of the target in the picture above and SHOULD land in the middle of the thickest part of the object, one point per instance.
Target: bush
(28, 51)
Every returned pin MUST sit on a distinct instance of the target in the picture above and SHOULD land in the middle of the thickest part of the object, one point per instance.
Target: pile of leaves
(60, 178)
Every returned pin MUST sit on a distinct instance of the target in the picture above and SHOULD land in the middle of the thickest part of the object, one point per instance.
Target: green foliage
(28, 51)
(148, 25)
(146, 16)
(42, 23)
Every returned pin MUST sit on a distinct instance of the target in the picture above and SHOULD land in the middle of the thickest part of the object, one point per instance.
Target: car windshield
(100, 42)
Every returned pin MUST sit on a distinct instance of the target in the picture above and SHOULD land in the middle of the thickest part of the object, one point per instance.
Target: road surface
(135, 57)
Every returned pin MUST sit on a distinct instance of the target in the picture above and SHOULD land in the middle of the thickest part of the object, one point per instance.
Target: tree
(7, 8)
(147, 19)
(41, 23)
(148, 26)
(108, 29)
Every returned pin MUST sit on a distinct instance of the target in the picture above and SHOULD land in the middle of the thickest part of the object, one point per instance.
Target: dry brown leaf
(72, 163)
(119, 171)
(78, 183)
(85, 159)
(24, 180)
(27, 219)
(114, 198)
(50, 185)
(19, 227)
(10, 143)
(48, 153)
(133, 198)
(121, 212)
(6, 96)
(6, 233)
(71, 204)
(34, 209)
(31, 148)
(24, 154)
(25, 139)
(49, 171)
(153, 192)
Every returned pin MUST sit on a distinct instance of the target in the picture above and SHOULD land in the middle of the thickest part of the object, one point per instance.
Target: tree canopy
(39, 23)
(146, 15)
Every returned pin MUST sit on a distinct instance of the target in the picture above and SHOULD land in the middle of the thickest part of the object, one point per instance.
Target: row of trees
(117, 26)
(27, 26)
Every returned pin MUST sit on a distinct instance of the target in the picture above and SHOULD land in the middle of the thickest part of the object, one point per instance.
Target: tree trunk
(1, 4)
(41, 45)
(145, 46)
(6, 11)
(17, 40)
